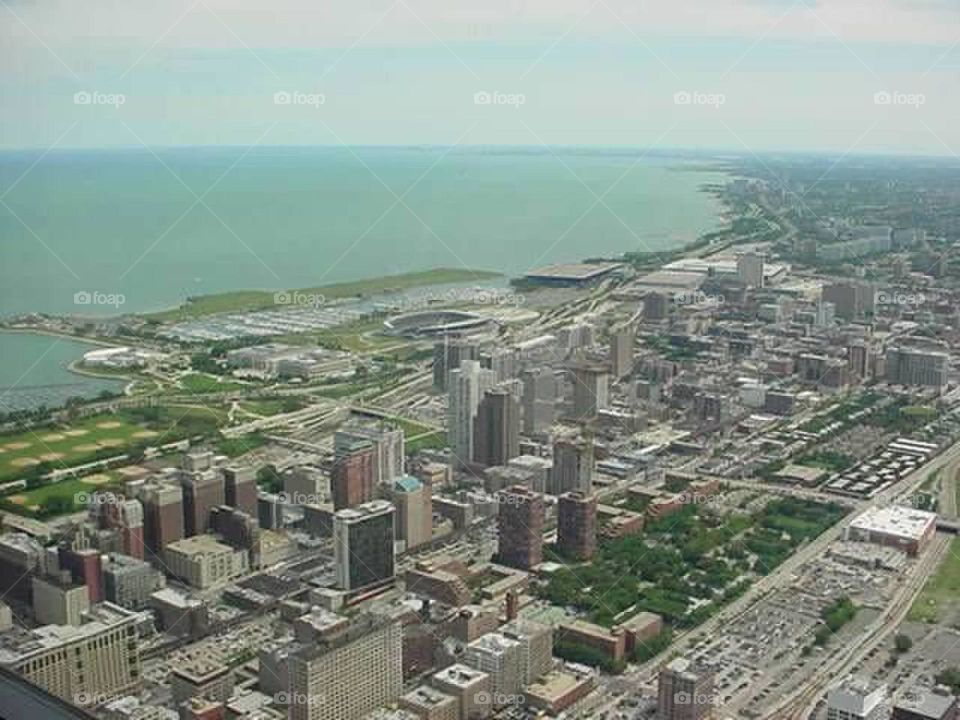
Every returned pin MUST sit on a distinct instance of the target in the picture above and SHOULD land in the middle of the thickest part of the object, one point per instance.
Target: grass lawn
(940, 590)
(201, 383)
(428, 441)
(30, 502)
(273, 407)
(260, 299)
(65, 446)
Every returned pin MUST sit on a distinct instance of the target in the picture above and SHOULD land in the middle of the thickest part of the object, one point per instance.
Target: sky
(838, 76)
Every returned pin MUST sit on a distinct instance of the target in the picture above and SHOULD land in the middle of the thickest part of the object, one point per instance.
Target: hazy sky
(836, 75)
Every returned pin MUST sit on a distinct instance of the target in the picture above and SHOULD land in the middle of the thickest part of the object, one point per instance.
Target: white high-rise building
(350, 675)
(466, 387)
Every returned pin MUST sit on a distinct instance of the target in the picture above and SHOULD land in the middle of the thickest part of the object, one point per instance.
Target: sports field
(76, 444)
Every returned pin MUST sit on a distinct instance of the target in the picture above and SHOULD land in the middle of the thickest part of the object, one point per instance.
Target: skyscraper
(573, 465)
(590, 390)
(350, 674)
(621, 351)
(539, 399)
(520, 533)
(351, 480)
(577, 525)
(363, 545)
(202, 491)
(240, 489)
(496, 429)
(917, 366)
(684, 691)
(448, 354)
(414, 511)
(387, 442)
(466, 386)
(162, 515)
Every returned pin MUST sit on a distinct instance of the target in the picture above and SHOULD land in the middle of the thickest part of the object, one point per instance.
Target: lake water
(151, 230)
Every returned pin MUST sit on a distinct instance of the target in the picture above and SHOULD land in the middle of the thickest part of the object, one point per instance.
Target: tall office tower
(856, 698)
(520, 532)
(363, 547)
(351, 674)
(621, 351)
(573, 465)
(539, 400)
(448, 354)
(851, 299)
(656, 306)
(536, 648)
(750, 269)
(83, 665)
(684, 691)
(590, 390)
(127, 518)
(499, 657)
(129, 582)
(351, 479)
(270, 511)
(235, 527)
(20, 557)
(162, 515)
(466, 387)
(203, 490)
(859, 359)
(414, 512)
(826, 313)
(240, 489)
(916, 366)
(85, 568)
(503, 362)
(387, 444)
(303, 485)
(496, 429)
(577, 525)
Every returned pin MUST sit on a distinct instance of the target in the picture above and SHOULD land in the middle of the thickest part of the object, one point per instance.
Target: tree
(902, 643)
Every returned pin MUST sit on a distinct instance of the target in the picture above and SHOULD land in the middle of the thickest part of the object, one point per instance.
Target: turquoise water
(127, 223)
(34, 372)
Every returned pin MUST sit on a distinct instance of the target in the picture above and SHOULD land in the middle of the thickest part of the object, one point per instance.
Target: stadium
(432, 323)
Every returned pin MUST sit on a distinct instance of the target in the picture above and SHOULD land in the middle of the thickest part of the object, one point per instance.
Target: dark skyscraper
(352, 477)
(520, 536)
(496, 430)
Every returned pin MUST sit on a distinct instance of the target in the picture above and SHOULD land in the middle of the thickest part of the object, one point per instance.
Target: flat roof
(896, 520)
(573, 271)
